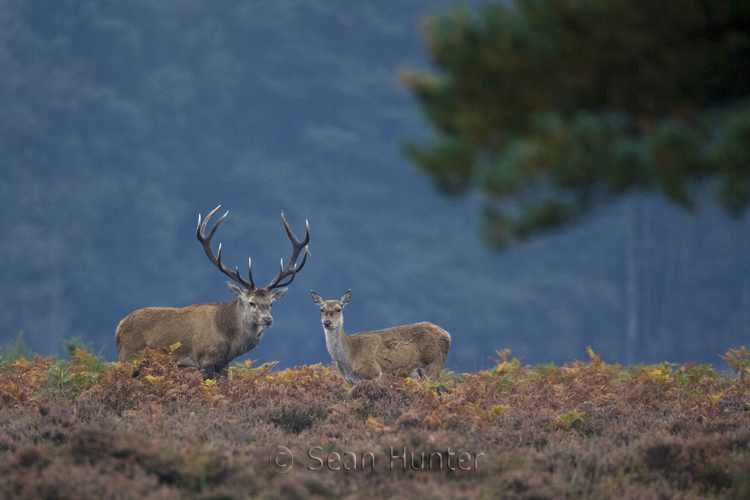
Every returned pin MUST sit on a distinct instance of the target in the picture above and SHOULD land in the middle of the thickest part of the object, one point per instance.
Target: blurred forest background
(122, 121)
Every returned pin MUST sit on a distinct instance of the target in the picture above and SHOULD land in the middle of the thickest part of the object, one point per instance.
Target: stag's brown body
(420, 348)
(211, 335)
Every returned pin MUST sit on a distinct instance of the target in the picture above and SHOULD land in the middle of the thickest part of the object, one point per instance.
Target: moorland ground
(82, 428)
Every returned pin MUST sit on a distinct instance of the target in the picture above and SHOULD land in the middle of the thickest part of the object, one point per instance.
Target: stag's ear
(278, 293)
(318, 299)
(345, 298)
(236, 291)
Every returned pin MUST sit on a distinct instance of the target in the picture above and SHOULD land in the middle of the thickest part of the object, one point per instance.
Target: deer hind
(420, 348)
(212, 335)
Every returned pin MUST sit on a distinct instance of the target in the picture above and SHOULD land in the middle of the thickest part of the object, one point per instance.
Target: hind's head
(331, 311)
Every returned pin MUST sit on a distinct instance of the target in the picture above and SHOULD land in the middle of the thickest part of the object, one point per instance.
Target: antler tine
(250, 271)
(291, 265)
(294, 271)
(294, 239)
(205, 222)
(216, 259)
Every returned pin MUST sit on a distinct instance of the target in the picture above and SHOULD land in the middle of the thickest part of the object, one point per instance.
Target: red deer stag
(420, 348)
(212, 335)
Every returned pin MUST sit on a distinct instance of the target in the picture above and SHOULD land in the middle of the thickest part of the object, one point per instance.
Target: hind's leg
(433, 369)
(433, 372)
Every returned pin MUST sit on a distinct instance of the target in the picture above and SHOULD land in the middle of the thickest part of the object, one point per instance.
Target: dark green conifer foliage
(553, 108)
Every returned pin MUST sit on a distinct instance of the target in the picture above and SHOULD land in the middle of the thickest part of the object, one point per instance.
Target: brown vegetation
(81, 428)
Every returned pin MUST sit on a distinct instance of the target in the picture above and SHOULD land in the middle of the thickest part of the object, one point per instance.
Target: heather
(83, 428)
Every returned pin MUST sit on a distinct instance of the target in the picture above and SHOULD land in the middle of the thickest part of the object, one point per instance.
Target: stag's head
(332, 311)
(255, 303)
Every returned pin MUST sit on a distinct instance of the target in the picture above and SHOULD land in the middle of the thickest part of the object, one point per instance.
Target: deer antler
(216, 259)
(291, 265)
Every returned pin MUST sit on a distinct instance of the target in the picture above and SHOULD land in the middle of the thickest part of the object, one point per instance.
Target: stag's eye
(252, 304)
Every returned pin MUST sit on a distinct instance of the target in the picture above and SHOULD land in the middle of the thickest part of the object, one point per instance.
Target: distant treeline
(121, 122)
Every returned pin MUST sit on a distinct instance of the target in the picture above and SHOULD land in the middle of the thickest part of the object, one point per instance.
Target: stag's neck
(337, 343)
(244, 334)
(250, 337)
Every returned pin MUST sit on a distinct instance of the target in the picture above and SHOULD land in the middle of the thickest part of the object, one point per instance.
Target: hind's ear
(317, 299)
(345, 298)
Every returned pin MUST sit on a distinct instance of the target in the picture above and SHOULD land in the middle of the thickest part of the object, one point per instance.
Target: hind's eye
(252, 304)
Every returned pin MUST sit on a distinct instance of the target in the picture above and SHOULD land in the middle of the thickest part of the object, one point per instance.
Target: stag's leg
(185, 362)
(220, 371)
(214, 371)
